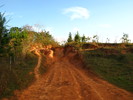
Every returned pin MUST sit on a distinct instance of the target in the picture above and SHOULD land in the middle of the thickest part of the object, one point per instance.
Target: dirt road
(67, 81)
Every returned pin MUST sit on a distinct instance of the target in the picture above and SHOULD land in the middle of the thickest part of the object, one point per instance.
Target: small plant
(125, 38)
(95, 39)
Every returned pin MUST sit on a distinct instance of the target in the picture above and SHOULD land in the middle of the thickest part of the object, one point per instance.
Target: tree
(83, 38)
(15, 29)
(17, 34)
(77, 37)
(125, 38)
(70, 37)
(2, 26)
(95, 39)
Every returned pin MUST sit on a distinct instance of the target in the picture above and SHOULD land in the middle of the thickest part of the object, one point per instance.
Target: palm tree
(2, 25)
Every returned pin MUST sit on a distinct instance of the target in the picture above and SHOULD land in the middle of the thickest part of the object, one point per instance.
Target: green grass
(18, 77)
(114, 67)
(44, 66)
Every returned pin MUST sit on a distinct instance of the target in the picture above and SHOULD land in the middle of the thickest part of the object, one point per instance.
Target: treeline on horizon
(94, 39)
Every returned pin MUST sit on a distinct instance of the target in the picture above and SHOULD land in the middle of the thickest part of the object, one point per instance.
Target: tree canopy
(77, 37)
(70, 37)
(3, 23)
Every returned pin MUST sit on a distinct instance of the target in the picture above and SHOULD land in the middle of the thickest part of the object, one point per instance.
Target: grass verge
(111, 65)
(17, 76)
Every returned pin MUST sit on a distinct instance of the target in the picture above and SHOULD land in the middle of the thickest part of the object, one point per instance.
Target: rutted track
(66, 81)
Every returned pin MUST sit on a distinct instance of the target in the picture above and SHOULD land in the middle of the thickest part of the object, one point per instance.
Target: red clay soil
(67, 81)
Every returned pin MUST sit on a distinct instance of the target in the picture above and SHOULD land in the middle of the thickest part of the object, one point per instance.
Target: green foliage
(17, 36)
(125, 38)
(17, 64)
(95, 39)
(77, 38)
(45, 38)
(2, 25)
(3, 33)
(18, 75)
(21, 39)
(5, 39)
(16, 32)
(115, 68)
(70, 38)
(83, 38)
(76, 45)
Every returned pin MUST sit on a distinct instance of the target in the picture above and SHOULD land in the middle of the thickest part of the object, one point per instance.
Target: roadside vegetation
(111, 61)
(16, 76)
(17, 62)
(113, 65)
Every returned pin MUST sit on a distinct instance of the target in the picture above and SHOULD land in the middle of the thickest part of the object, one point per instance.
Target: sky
(105, 18)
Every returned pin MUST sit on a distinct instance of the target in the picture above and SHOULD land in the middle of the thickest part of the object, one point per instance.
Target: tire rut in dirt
(103, 89)
(68, 84)
(86, 90)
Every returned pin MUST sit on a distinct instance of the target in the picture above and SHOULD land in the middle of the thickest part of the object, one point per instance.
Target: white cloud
(105, 26)
(77, 13)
